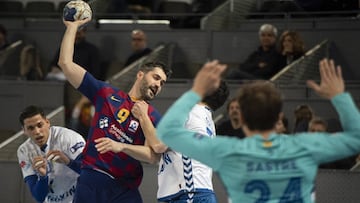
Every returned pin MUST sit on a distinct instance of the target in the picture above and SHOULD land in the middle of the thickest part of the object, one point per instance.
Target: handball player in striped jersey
(111, 168)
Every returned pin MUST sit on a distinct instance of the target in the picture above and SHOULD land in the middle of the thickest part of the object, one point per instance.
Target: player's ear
(140, 74)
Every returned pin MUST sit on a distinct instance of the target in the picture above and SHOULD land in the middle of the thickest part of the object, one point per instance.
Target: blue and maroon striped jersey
(113, 119)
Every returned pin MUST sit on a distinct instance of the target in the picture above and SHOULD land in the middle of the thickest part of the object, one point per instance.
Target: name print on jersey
(275, 166)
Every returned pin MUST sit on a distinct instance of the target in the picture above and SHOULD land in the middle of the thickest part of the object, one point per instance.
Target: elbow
(63, 64)
(159, 148)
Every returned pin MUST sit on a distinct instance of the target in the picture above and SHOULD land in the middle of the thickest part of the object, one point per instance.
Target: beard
(146, 92)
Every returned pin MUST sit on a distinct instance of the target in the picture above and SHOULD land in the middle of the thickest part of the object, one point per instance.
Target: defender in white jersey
(264, 167)
(50, 158)
(180, 178)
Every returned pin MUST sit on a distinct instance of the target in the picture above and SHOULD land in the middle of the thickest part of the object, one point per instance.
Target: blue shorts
(96, 187)
(199, 197)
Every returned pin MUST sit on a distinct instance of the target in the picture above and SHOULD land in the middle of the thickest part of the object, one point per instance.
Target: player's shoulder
(25, 146)
(62, 132)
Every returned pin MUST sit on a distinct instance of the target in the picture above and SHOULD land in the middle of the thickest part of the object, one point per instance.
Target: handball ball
(77, 10)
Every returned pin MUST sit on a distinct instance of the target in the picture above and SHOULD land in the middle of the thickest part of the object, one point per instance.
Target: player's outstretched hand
(332, 82)
(57, 156)
(105, 144)
(208, 78)
(39, 164)
(77, 23)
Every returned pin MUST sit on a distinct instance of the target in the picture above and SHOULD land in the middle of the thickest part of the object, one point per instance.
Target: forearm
(38, 186)
(348, 112)
(75, 164)
(141, 153)
(73, 72)
(150, 135)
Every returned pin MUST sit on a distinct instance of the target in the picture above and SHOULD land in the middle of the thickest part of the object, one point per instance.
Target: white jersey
(178, 173)
(62, 179)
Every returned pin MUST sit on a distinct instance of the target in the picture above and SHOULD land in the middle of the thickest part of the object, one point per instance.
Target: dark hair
(234, 99)
(30, 111)
(146, 67)
(217, 98)
(298, 43)
(260, 105)
(303, 112)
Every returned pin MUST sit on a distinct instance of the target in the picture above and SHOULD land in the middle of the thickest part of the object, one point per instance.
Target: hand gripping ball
(77, 10)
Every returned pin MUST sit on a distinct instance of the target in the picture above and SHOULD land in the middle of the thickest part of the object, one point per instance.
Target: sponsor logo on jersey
(116, 99)
(133, 126)
(77, 146)
(22, 164)
(61, 197)
(119, 134)
(104, 122)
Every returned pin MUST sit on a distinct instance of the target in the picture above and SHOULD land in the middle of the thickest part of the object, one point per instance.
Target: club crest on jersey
(104, 122)
(77, 146)
(133, 126)
(267, 144)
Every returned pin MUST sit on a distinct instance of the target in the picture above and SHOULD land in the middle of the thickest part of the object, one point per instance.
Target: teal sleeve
(328, 147)
(348, 112)
(172, 132)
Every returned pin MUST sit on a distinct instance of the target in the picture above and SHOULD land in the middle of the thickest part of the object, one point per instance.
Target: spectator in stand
(30, 64)
(281, 126)
(263, 63)
(291, 47)
(19, 60)
(138, 46)
(317, 125)
(231, 126)
(303, 115)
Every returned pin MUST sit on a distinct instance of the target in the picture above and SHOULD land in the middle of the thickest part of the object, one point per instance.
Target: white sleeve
(24, 159)
(72, 143)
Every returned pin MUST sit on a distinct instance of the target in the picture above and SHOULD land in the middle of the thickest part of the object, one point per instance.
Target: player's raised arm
(73, 72)
(331, 83)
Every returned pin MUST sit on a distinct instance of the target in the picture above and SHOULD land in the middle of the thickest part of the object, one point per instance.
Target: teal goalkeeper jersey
(278, 169)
